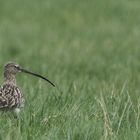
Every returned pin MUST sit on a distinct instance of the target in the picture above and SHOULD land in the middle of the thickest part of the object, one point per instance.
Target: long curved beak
(37, 75)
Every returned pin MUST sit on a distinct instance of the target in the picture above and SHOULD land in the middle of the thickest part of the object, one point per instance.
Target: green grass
(91, 50)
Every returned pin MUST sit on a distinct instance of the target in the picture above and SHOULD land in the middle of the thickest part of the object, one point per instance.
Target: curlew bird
(11, 97)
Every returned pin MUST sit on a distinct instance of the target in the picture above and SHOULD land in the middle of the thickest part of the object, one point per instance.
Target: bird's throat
(10, 79)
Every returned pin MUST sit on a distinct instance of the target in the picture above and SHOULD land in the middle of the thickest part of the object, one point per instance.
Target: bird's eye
(16, 66)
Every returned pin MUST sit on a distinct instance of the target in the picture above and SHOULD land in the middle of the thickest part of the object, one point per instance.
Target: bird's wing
(3, 99)
(8, 97)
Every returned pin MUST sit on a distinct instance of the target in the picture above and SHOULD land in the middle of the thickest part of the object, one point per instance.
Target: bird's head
(11, 69)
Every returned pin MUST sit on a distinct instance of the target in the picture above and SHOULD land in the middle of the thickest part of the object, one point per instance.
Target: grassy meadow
(91, 50)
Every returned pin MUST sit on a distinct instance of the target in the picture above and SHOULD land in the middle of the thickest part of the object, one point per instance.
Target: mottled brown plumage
(11, 97)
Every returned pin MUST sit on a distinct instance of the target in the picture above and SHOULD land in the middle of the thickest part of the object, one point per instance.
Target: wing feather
(9, 97)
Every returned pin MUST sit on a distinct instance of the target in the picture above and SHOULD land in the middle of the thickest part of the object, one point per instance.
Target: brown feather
(10, 97)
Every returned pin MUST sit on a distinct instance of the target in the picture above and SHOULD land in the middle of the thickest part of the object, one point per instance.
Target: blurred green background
(91, 50)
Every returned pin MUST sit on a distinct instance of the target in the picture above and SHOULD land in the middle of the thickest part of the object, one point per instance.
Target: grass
(90, 49)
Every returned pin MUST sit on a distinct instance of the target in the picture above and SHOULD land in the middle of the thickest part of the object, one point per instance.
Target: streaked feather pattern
(10, 97)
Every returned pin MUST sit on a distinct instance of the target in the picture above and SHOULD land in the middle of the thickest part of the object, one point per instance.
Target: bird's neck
(10, 79)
